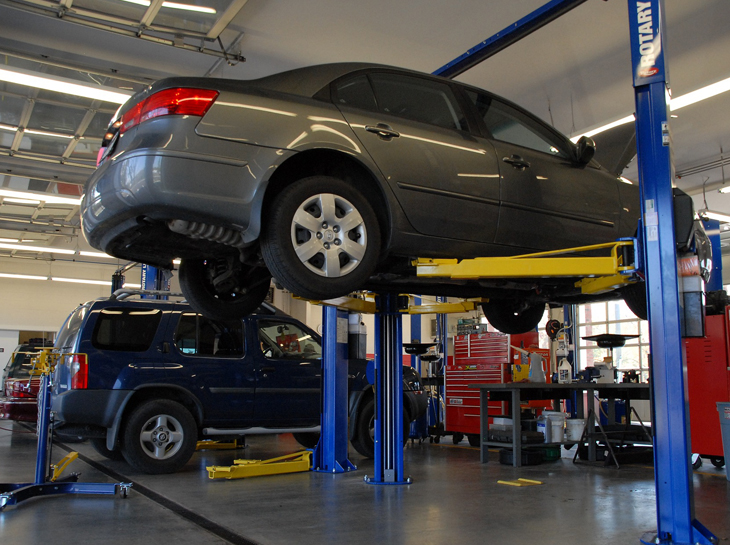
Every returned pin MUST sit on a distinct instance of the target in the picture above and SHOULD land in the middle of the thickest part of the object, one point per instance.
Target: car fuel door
(548, 199)
(446, 182)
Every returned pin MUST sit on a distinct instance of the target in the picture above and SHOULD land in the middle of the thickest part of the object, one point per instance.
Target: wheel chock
(521, 482)
(290, 463)
(62, 464)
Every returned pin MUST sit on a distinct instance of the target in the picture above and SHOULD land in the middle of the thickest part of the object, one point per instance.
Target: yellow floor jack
(14, 493)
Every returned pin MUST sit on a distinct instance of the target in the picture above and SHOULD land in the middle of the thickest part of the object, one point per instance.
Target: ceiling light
(8, 127)
(724, 189)
(9, 240)
(47, 133)
(45, 197)
(23, 276)
(63, 85)
(21, 201)
(96, 254)
(674, 104)
(40, 249)
(719, 216)
(82, 281)
(174, 5)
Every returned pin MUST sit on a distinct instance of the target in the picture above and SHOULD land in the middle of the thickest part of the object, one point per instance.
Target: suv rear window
(125, 329)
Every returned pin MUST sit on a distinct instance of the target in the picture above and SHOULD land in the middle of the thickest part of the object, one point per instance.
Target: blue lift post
(672, 459)
(330, 454)
(388, 382)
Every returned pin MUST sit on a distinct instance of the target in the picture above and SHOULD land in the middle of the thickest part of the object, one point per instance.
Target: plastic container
(537, 372)
(565, 372)
(574, 429)
(544, 426)
(724, 410)
(557, 425)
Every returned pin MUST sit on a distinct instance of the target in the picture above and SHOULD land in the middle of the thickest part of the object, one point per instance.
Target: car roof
(264, 309)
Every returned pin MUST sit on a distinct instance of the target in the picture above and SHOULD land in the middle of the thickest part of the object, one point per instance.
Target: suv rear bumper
(90, 407)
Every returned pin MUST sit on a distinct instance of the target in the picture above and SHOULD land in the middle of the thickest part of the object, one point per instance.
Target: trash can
(724, 410)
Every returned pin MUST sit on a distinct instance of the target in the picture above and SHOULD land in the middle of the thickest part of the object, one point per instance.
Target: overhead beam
(511, 34)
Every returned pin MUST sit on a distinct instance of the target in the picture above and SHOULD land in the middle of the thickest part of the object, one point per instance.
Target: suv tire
(99, 444)
(363, 440)
(159, 437)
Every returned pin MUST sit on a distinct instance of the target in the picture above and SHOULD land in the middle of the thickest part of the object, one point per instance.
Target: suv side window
(286, 340)
(126, 329)
(508, 124)
(196, 335)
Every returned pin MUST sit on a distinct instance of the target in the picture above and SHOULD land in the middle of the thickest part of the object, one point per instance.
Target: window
(356, 92)
(418, 99)
(125, 329)
(508, 124)
(198, 336)
(286, 340)
(613, 317)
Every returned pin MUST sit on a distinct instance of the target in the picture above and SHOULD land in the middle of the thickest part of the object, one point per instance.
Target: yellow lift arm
(290, 463)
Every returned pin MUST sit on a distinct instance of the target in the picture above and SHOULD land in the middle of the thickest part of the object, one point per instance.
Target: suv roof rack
(124, 293)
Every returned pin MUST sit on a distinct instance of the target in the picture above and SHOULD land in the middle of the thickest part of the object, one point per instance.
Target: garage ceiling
(574, 73)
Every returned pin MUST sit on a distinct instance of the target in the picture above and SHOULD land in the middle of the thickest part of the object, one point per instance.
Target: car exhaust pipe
(194, 229)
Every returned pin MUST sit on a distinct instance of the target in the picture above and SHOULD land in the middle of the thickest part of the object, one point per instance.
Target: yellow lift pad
(216, 445)
(290, 463)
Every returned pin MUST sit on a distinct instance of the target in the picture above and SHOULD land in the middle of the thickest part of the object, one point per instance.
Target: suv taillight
(79, 372)
(178, 101)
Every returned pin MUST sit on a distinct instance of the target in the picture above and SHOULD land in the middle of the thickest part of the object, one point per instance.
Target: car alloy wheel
(321, 238)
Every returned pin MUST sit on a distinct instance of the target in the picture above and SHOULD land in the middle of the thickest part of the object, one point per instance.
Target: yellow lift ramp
(289, 463)
(598, 273)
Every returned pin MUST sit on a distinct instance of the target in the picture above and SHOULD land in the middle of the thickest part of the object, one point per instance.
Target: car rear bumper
(134, 193)
(89, 407)
(23, 410)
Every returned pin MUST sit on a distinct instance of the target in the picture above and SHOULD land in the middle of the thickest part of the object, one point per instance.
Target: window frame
(198, 317)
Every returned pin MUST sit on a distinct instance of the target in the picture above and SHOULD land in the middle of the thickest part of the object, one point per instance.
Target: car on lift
(21, 381)
(332, 178)
(144, 380)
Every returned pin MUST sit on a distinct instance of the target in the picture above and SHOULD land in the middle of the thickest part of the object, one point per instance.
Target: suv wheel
(509, 317)
(322, 239)
(307, 439)
(99, 444)
(363, 440)
(159, 437)
(223, 288)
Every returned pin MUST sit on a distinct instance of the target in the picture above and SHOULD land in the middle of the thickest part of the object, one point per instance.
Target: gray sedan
(333, 178)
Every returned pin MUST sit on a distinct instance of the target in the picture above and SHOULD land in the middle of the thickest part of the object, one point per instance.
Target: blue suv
(144, 380)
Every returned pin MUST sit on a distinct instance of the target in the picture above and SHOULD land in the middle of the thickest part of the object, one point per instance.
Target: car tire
(307, 439)
(159, 437)
(474, 439)
(321, 239)
(245, 290)
(635, 298)
(503, 316)
(364, 438)
(99, 444)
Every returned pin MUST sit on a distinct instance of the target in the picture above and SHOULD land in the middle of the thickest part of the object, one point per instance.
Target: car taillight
(178, 101)
(79, 372)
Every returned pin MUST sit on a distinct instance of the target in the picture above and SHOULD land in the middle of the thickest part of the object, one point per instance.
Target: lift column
(672, 469)
(330, 454)
(388, 381)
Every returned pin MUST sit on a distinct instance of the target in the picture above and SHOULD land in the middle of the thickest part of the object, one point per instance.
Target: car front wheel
(159, 437)
(512, 318)
(223, 288)
(322, 238)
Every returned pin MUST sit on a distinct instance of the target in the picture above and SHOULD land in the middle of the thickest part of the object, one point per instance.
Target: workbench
(517, 392)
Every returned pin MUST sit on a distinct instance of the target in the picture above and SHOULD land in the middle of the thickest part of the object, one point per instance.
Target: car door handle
(517, 162)
(384, 131)
(268, 369)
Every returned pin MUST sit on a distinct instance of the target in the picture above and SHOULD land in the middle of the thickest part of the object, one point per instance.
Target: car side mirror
(585, 149)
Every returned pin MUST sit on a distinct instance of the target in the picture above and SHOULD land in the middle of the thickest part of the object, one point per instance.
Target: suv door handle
(384, 131)
(165, 348)
(517, 162)
(268, 369)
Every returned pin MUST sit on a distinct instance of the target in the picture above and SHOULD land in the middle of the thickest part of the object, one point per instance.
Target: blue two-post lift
(676, 522)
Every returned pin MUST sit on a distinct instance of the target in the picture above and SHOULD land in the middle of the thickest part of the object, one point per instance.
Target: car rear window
(125, 329)
(196, 335)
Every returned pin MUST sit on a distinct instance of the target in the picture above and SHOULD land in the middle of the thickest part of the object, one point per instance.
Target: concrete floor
(453, 499)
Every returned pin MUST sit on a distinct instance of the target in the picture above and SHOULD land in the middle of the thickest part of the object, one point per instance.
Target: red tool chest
(708, 381)
(478, 358)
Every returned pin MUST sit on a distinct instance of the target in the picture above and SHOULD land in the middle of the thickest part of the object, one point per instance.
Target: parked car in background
(333, 178)
(144, 380)
(20, 383)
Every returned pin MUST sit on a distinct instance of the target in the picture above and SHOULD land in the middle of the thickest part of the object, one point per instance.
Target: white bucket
(574, 429)
(557, 425)
(544, 427)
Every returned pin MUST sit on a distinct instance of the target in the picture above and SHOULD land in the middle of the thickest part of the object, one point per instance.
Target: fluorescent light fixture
(48, 133)
(96, 254)
(5, 127)
(176, 261)
(82, 281)
(724, 189)
(40, 249)
(21, 201)
(9, 240)
(174, 5)
(45, 197)
(719, 216)
(692, 97)
(63, 85)
(23, 276)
